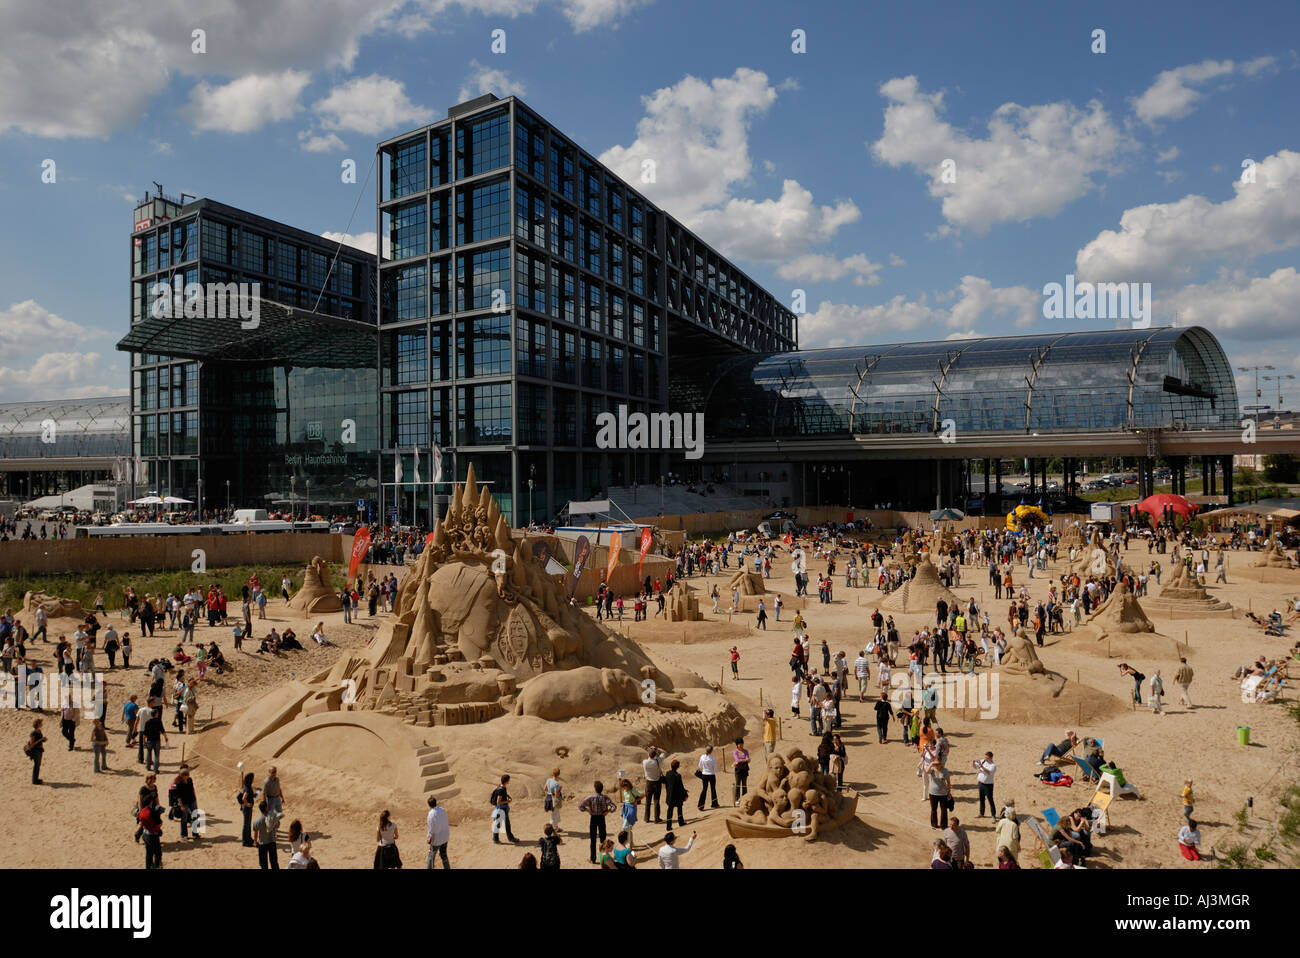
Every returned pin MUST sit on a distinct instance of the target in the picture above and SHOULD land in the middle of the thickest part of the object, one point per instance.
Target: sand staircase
(435, 773)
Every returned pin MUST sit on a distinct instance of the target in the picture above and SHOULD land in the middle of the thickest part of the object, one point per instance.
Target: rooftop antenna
(158, 187)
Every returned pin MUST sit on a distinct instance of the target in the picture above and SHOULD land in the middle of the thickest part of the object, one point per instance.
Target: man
(884, 712)
(669, 854)
(150, 819)
(954, 836)
(182, 797)
(769, 732)
(35, 749)
(985, 768)
(273, 792)
(674, 794)
(862, 670)
(930, 702)
(598, 805)
(1157, 693)
(501, 812)
(264, 828)
(99, 743)
(654, 782)
(1184, 679)
(142, 715)
(438, 833)
(42, 620)
(708, 769)
(819, 694)
(151, 732)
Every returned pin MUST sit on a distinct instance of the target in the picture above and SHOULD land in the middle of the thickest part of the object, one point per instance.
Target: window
(638, 323)
(439, 352)
(410, 427)
(616, 262)
(591, 246)
(530, 348)
(440, 416)
(405, 226)
(530, 282)
(440, 220)
(439, 158)
(254, 252)
(636, 373)
(638, 273)
(319, 268)
(591, 361)
(149, 247)
(616, 382)
(405, 359)
(483, 211)
(562, 356)
(191, 385)
(591, 408)
(185, 242)
(636, 219)
(590, 190)
(530, 146)
(615, 205)
(216, 241)
(406, 172)
(561, 167)
(440, 286)
(591, 305)
(532, 414)
(406, 293)
(566, 418)
(563, 298)
(479, 275)
(482, 144)
(483, 415)
(287, 257)
(616, 317)
(530, 215)
(483, 346)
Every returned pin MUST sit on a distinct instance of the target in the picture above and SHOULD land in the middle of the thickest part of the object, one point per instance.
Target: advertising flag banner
(397, 464)
(360, 543)
(646, 538)
(437, 463)
(581, 550)
(615, 546)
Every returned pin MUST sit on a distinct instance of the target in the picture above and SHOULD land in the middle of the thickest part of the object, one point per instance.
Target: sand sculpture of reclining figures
(1021, 658)
(480, 630)
(316, 594)
(55, 608)
(1273, 557)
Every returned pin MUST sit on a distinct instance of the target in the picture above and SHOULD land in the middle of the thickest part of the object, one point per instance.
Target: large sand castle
(921, 593)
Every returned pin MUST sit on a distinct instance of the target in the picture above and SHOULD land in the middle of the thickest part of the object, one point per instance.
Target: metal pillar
(1227, 478)
(984, 508)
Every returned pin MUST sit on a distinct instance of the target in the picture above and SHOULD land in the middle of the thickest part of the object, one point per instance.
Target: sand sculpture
(1072, 536)
(1121, 613)
(1183, 592)
(479, 631)
(54, 607)
(1092, 561)
(316, 594)
(791, 797)
(920, 593)
(1272, 557)
(1021, 658)
(681, 605)
(747, 583)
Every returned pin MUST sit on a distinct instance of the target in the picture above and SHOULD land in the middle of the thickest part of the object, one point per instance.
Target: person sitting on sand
(216, 659)
(269, 644)
(319, 634)
(289, 641)
(181, 658)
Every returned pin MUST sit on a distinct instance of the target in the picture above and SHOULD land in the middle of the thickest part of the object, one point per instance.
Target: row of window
(425, 289)
(166, 386)
(169, 434)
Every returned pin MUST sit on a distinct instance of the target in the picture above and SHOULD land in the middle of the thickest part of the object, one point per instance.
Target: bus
(141, 529)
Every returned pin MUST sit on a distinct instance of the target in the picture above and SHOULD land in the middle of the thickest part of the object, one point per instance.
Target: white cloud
(370, 105)
(586, 15)
(483, 79)
(1173, 95)
(1168, 241)
(896, 260)
(161, 147)
(247, 104)
(27, 325)
(320, 143)
(361, 241)
(772, 229)
(1168, 155)
(56, 376)
(1258, 307)
(1035, 160)
(818, 268)
(974, 299)
(695, 137)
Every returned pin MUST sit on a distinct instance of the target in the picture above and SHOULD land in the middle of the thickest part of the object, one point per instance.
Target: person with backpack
(500, 801)
(35, 750)
(150, 818)
(264, 829)
(550, 845)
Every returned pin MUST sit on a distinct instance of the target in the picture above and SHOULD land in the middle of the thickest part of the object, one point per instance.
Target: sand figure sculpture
(1021, 658)
(681, 605)
(1092, 560)
(747, 583)
(921, 592)
(1121, 613)
(1071, 537)
(54, 607)
(1183, 591)
(479, 631)
(316, 594)
(791, 797)
(1272, 557)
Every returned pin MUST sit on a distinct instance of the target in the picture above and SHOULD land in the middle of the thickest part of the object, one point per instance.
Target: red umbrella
(1155, 506)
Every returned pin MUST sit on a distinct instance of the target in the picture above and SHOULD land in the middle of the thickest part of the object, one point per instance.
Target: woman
(731, 860)
(386, 855)
(839, 758)
(298, 838)
(1006, 861)
(631, 797)
(607, 860)
(940, 855)
(824, 749)
(550, 845)
(714, 596)
(624, 857)
(939, 786)
(247, 798)
(554, 799)
(126, 650)
(110, 649)
(740, 761)
(1189, 838)
(528, 862)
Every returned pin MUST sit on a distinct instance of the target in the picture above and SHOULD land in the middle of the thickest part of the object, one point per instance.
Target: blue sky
(820, 171)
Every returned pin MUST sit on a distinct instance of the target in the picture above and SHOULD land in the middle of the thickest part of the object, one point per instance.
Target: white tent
(147, 501)
(177, 501)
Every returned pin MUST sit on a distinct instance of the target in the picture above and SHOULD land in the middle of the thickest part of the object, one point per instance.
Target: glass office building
(525, 289)
(282, 413)
(51, 447)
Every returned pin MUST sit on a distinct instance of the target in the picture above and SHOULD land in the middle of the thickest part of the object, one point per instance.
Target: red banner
(646, 538)
(360, 543)
(581, 549)
(428, 540)
(615, 547)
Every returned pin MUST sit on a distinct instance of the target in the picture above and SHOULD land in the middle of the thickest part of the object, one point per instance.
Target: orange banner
(615, 546)
(360, 543)
(646, 538)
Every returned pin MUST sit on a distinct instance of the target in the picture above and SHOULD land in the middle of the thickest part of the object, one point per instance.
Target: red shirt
(151, 823)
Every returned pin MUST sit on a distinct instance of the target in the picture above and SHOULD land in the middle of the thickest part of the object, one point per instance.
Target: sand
(340, 807)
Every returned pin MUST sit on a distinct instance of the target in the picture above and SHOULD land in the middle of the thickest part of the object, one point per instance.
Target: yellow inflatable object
(1025, 516)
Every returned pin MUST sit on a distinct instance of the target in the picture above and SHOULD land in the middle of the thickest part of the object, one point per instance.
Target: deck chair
(1052, 816)
(1128, 788)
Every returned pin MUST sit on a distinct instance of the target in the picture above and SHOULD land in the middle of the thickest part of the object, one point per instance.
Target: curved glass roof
(81, 427)
(1104, 380)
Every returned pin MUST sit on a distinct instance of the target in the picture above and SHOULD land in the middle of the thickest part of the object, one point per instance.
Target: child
(1188, 801)
(735, 664)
